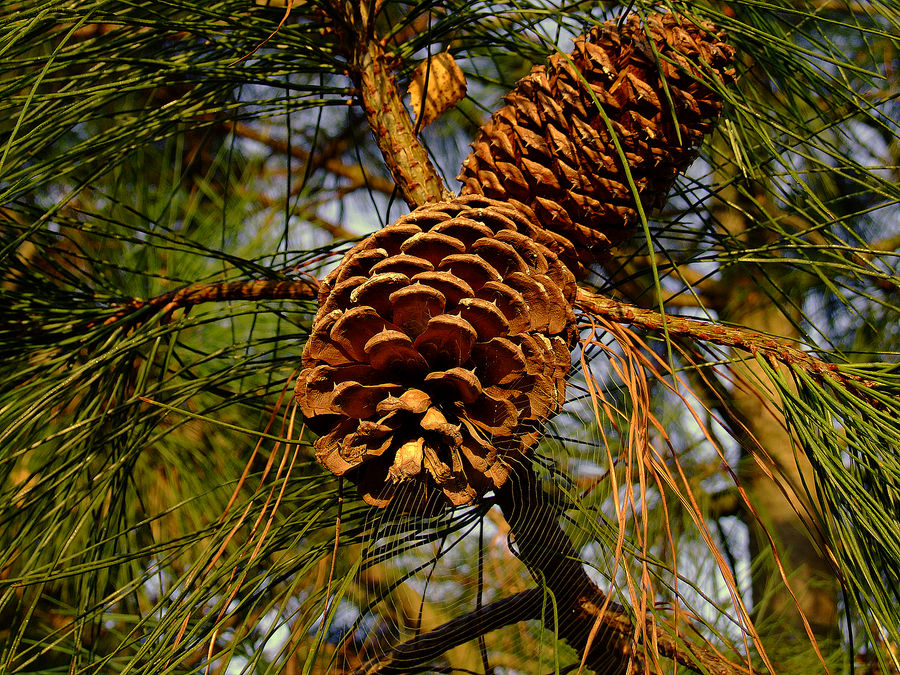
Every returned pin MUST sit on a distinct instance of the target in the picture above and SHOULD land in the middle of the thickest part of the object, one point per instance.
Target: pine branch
(306, 289)
(392, 126)
(588, 621)
(715, 333)
(370, 68)
(608, 308)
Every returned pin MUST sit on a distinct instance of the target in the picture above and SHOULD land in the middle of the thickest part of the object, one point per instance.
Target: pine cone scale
(549, 148)
(410, 375)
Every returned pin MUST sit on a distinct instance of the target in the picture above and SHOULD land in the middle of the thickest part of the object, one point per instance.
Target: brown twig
(371, 71)
(716, 333)
(392, 126)
(305, 289)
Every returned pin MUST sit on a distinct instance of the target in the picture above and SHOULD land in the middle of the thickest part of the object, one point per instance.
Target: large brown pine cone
(440, 346)
(550, 147)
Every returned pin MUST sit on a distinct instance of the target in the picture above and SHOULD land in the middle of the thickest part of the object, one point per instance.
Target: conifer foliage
(594, 427)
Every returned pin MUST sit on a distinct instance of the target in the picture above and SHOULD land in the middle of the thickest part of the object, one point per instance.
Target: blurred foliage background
(160, 507)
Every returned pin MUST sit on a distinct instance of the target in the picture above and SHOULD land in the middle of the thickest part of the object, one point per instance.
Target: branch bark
(306, 289)
(370, 68)
(608, 308)
(393, 129)
(736, 337)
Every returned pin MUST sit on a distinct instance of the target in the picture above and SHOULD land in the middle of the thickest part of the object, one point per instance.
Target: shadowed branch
(588, 620)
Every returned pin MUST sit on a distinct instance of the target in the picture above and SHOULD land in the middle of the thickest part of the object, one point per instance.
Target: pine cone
(440, 346)
(550, 148)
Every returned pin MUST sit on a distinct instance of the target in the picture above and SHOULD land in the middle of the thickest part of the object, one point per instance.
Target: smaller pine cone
(549, 148)
(440, 346)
